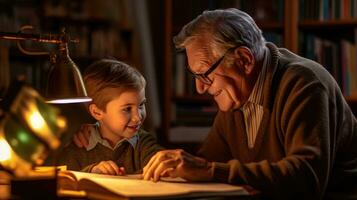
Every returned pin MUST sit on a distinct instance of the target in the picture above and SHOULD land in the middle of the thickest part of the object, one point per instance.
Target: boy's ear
(96, 112)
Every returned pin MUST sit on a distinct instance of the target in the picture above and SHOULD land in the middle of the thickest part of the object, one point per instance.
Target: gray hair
(227, 28)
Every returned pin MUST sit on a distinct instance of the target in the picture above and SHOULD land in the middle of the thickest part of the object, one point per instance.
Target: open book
(98, 186)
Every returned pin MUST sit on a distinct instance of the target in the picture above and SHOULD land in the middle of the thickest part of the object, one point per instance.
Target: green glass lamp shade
(51, 115)
(23, 142)
(29, 129)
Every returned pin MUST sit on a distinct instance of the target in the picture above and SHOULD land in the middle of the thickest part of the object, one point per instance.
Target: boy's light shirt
(96, 138)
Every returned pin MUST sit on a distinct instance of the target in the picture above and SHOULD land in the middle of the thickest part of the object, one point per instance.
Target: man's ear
(96, 112)
(244, 59)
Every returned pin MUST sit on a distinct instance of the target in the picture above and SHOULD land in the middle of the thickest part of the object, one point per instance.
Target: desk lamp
(30, 128)
(65, 83)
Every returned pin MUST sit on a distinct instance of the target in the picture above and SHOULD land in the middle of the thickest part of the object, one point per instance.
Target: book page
(133, 186)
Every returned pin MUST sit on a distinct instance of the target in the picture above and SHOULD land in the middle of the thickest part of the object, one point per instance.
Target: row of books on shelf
(183, 82)
(110, 10)
(34, 73)
(98, 43)
(328, 9)
(338, 57)
(186, 10)
(13, 17)
(189, 134)
(95, 39)
(268, 10)
(193, 114)
(191, 122)
(18, 13)
(273, 37)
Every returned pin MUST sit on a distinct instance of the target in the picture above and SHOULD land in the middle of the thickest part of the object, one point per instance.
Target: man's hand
(81, 139)
(177, 163)
(108, 167)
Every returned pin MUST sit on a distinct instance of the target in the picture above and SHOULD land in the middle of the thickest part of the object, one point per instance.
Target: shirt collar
(96, 138)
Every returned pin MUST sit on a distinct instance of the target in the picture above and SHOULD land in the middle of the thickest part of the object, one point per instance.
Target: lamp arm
(31, 53)
(47, 38)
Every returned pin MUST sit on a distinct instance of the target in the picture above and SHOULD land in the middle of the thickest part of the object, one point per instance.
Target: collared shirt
(253, 108)
(96, 138)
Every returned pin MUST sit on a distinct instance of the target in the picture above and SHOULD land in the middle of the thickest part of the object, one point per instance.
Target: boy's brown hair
(107, 78)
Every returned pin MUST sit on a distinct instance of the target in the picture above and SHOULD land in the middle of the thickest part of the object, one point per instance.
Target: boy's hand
(81, 138)
(108, 167)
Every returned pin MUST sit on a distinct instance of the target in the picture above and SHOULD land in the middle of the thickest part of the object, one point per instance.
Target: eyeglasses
(203, 77)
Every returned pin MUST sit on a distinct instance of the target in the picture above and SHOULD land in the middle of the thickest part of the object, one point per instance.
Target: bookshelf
(319, 21)
(281, 23)
(102, 27)
(336, 51)
(105, 29)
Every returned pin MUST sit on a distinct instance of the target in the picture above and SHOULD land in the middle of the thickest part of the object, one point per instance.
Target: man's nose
(201, 87)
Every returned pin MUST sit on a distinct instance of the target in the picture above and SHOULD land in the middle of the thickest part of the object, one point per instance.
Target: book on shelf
(338, 57)
(327, 9)
(99, 186)
(275, 38)
(180, 76)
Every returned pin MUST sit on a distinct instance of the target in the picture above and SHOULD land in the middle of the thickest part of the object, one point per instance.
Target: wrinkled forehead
(199, 43)
(199, 53)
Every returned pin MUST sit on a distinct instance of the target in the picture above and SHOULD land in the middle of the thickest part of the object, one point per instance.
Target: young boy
(117, 144)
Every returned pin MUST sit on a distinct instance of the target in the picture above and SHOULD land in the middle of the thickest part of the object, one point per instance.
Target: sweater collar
(95, 138)
(270, 72)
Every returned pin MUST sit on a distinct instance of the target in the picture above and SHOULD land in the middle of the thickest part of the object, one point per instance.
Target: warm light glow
(61, 122)
(39, 126)
(5, 151)
(36, 121)
(74, 100)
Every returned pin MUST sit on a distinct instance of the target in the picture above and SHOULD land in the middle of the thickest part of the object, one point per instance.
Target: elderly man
(283, 125)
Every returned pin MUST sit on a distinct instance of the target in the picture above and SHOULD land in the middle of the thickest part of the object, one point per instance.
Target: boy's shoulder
(146, 137)
(71, 153)
(144, 134)
(72, 147)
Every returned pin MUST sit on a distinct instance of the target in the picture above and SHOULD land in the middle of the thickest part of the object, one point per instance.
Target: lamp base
(34, 188)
